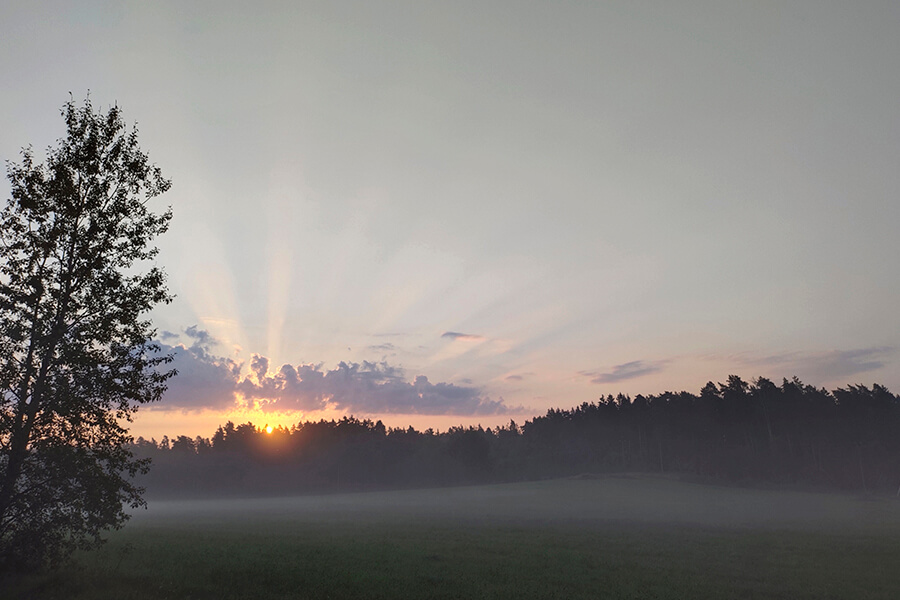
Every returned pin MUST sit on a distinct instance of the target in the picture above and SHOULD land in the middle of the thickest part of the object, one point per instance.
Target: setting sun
(269, 429)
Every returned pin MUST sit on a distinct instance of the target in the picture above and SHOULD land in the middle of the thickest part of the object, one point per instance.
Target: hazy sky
(456, 212)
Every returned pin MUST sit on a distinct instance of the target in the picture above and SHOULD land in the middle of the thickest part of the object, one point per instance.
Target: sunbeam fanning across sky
(281, 218)
(464, 212)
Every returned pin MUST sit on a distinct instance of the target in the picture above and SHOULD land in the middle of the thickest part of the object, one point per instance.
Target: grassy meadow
(607, 537)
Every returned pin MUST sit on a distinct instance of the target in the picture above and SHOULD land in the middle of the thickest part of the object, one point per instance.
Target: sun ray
(281, 218)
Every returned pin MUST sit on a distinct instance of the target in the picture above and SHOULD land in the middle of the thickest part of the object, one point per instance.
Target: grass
(608, 538)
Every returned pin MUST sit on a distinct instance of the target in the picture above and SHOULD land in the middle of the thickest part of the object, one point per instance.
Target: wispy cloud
(388, 347)
(822, 366)
(455, 335)
(629, 370)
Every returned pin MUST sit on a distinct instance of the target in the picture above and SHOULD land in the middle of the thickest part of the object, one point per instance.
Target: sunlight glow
(269, 429)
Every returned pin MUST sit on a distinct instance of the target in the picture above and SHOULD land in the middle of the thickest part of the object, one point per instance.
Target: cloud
(203, 380)
(167, 335)
(851, 362)
(365, 387)
(388, 347)
(201, 337)
(629, 370)
(825, 366)
(208, 381)
(455, 335)
(518, 376)
(259, 366)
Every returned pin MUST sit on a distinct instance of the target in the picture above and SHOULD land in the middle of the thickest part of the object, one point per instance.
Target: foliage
(733, 431)
(76, 356)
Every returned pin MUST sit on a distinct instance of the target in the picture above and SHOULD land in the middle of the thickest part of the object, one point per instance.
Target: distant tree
(76, 350)
(184, 444)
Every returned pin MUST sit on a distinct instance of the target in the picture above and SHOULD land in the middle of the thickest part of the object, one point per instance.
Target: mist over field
(586, 501)
(743, 490)
(622, 536)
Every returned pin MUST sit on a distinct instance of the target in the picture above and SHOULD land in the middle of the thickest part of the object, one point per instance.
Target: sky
(444, 213)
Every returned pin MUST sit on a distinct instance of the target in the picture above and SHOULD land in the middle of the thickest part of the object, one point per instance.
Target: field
(611, 537)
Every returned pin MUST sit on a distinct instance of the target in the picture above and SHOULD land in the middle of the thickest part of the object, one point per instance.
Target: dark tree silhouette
(76, 356)
(736, 431)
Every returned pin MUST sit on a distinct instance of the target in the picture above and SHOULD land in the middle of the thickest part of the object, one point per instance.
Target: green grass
(595, 538)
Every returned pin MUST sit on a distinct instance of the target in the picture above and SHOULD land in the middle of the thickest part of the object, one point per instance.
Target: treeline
(734, 431)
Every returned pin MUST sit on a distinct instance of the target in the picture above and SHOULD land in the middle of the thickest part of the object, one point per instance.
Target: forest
(738, 432)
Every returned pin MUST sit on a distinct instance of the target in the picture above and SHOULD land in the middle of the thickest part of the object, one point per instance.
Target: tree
(76, 350)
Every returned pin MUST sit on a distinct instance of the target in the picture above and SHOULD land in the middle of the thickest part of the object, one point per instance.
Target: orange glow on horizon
(155, 422)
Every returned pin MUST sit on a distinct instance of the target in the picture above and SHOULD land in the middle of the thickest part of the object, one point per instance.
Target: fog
(588, 501)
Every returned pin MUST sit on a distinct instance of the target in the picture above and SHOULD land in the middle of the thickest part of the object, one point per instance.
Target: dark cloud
(259, 366)
(461, 336)
(201, 337)
(629, 370)
(367, 388)
(167, 335)
(205, 380)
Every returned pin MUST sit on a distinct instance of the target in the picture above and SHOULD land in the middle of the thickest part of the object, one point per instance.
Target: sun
(269, 429)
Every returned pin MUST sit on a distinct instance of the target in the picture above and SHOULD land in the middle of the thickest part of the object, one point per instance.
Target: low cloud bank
(208, 381)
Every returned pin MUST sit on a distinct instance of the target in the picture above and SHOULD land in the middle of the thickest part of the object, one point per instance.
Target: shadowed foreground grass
(611, 538)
